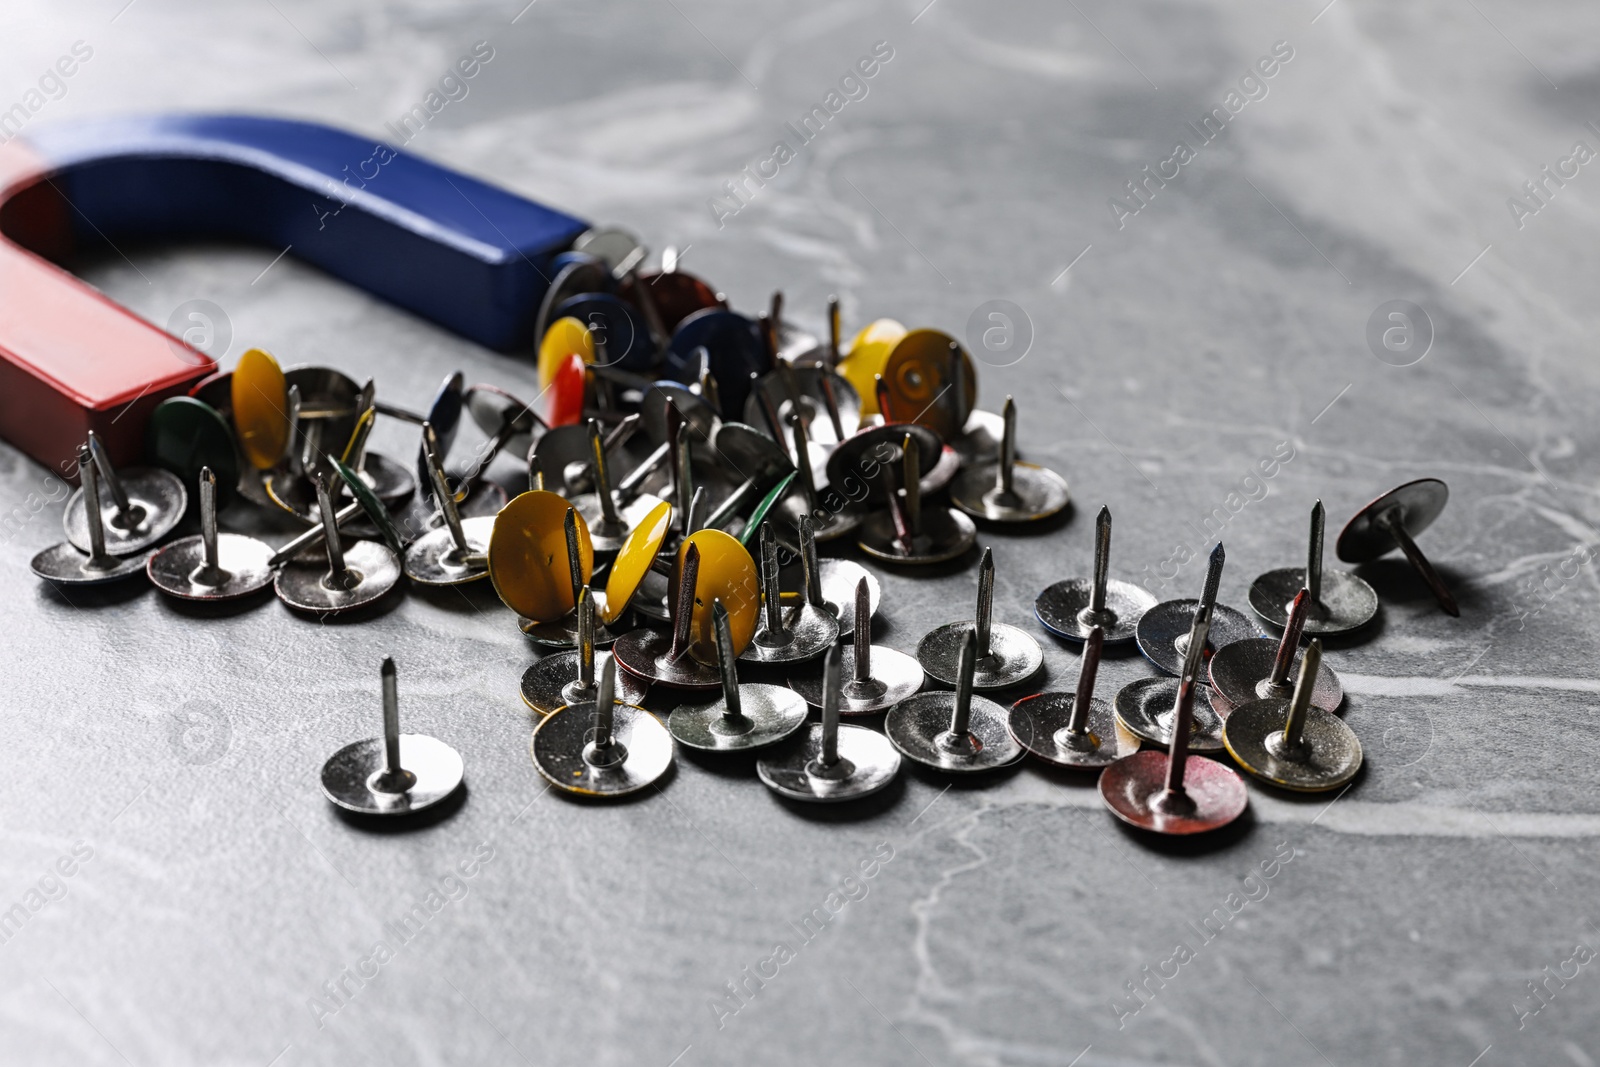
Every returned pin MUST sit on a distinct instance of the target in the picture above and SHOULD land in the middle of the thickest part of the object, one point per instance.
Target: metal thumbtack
(1163, 631)
(602, 749)
(211, 566)
(1147, 707)
(838, 579)
(1260, 668)
(906, 532)
(1009, 490)
(745, 718)
(1394, 519)
(754, 457)
(1174, 792)
(830, 523)
(394, 774)
(1073, 729)
(787, 634)
(1006, 654)
(509, 422)
(831, 762)
(458, 551)
(663, 658)
(562, 631)
(878, 677)
(1340, 602)
(1072, 608)
(1292, 744)
(609, 523)
(568, 677)
(841, 606)
(356, 575)
(956, 732)
(146, 503)
(65, 564)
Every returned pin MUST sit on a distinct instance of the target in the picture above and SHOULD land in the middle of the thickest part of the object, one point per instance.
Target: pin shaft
(89, 474)
(1390, 522)
(1102, 561)
(1283, 662)
(727, 662)
(862, 634)
(1088, 670)
(983, 624)
(391, 721)
(1294, 726)
(208, 519)
(1314, 554)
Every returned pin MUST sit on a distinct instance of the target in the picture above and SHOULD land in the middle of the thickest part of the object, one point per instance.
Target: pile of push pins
(761, 443)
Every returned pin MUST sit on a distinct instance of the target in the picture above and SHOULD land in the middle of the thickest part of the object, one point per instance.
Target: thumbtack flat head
(1163, 632)
(1241, 672)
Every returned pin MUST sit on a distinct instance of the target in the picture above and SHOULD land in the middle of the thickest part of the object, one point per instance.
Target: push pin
(831, 762)
(819, 582)
(1147, 707)
(65, 564)
(839, 579)
(1394, 519)
(906, 532)
(146, 503)
(1072, 608)
(1073, 729)
(664, 658)
(1340, 602)
(634, 562)
(603, 749)
(830, 523)
(355, 576)
(509, 422)
(1259, 669)
(1163, 631)
(562, 632)
(212, 566)
(1009, 490)
(1173, 792)
(746, 717)
(609, 523)
(956, 732)
(879, 677)
(395, 774)
(568, 677)
(458, 552)
(1006, 655)
(787, 634)
(1292, 744)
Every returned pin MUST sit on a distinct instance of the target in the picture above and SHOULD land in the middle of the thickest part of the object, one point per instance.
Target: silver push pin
(1340, 602)
(821, 580)
(1006, 655)
(831, 523)
(1073, 729)
(1073, 607)
(1290, 743)
(956, 732)
(65, 564)
(458, 551)
(395, 774)
(1147, 707)
(146, 503)
(907, 532)
(1393, 520)
(1260, 668)
(831, 762)
(212, 566)
(746, 717)
(610, 522)
(1009, 490)
(563, 632)
(786, 633)
(603, 749)
(838, 579)
(356, 575)
(568, 677)
(1163, 631)
(1173, 792)
(878, 677)
(663, 658)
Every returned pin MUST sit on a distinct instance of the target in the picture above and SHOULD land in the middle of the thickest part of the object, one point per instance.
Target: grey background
(1227, 316)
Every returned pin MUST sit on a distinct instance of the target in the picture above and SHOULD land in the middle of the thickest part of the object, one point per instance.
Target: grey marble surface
(1229, 314)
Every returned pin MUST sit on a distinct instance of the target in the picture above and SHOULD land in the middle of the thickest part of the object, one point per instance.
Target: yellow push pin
(260, 409)
(866, 358)
(565, 338)
(931, 381)
(529, 560)
(634, 560)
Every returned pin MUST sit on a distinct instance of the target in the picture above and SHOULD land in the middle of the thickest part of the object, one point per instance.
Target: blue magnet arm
(471, 257)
